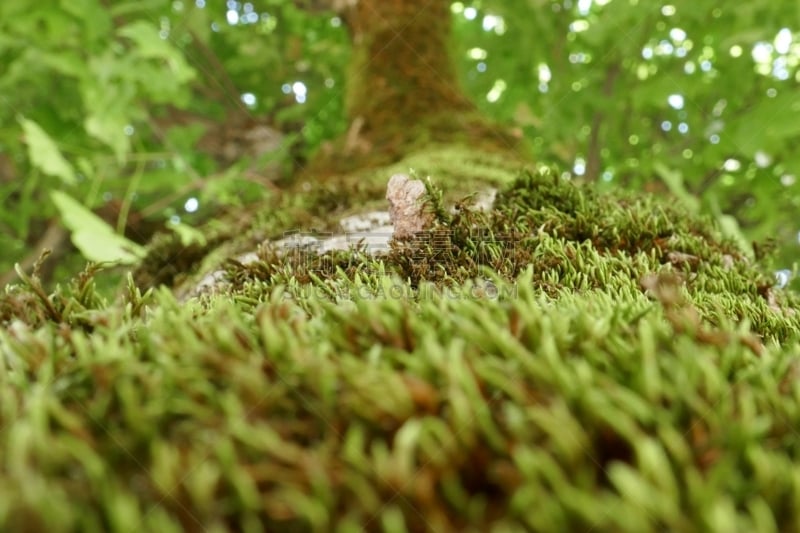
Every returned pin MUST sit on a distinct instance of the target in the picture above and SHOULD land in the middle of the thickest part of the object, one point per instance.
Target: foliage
(678, 96)
(109, 104)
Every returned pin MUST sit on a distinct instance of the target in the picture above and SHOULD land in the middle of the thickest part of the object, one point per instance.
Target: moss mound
(566, 361)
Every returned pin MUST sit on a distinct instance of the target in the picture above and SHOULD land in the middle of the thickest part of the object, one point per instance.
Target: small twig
(34, 283)
(54, 239)
(157, 206)
(220, 75)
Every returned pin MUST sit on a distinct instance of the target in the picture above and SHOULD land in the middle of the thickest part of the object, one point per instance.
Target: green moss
(305, 207)
(571, 238)
(567, 361)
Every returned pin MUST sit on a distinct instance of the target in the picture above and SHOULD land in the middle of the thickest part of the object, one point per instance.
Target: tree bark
(402, 71)
(402, 88)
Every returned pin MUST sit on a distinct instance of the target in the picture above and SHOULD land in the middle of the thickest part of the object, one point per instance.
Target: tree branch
(593, 159)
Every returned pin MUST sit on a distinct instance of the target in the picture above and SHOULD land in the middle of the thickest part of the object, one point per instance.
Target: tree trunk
(402, 88)
(402, 71)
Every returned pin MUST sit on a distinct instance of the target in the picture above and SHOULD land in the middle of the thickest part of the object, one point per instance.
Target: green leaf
(44, 154)
(92, 236)
(118, 9)
(770, 122)
(150, 45)
(109, 109)
(93, 11)
(66, 62)
(674, 182)
(730, 227)
(109, 129)
(188, 234)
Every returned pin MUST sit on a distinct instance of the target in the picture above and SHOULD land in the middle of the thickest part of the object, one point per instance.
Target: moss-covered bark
(402, 89)
(406, 111)
(565, 362)
(402, 71)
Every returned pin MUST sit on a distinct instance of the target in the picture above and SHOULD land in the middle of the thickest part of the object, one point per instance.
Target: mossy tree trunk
(403, 91)
(402, 72)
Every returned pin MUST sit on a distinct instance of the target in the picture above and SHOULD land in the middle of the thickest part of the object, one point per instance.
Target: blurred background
(129, 117)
